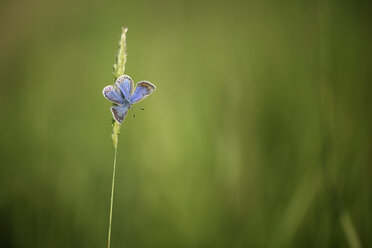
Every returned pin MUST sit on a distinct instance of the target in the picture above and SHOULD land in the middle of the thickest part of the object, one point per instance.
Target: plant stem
(119, 69)
(112, 197)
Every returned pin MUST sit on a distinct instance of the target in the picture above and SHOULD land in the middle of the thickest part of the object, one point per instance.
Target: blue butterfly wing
(119, 113)
(111, 94)
(125, 84)
(143, 89)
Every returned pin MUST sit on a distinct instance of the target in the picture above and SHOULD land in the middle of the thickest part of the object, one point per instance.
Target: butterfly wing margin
(143, 90)
(110, 93)
(119, 113)
(125, 84)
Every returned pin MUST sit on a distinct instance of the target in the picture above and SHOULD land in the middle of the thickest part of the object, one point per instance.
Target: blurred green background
(258, 135)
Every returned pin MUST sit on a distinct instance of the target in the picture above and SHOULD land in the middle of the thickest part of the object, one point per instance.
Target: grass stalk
(112, 198)
(119, 69)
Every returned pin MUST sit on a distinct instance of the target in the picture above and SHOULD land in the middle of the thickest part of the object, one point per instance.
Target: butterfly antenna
(134, 115)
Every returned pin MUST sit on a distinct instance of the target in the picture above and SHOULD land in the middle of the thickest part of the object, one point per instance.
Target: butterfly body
(123, 95)
(127, 103)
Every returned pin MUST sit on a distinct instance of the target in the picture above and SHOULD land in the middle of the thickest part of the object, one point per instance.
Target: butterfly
(122, 94)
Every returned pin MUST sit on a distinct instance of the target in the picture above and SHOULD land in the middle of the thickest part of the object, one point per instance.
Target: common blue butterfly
(122, 94)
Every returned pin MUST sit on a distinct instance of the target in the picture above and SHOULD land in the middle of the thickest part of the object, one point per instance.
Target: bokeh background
(258, 135)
